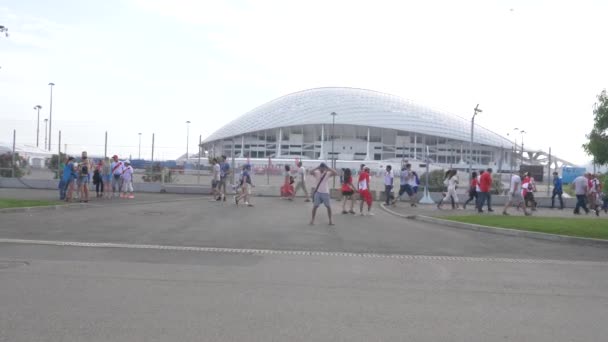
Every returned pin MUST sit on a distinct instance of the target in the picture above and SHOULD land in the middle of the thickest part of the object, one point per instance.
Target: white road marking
(298, 253)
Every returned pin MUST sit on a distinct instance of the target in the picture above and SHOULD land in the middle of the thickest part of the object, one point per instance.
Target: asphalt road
(420, 282)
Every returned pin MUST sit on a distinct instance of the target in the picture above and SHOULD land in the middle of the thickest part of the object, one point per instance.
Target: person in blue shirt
(67, 179)
(557, 191)
(245, 186)
(224, 173)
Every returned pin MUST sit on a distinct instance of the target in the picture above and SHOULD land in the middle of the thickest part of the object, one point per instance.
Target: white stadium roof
(358, 107)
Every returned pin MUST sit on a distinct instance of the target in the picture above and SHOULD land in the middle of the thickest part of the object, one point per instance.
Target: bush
(52, 164)
(436, 178)
(7, 167)
(154, 173)
(497, 188)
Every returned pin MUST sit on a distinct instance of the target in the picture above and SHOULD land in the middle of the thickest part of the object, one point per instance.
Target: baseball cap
(323, 165)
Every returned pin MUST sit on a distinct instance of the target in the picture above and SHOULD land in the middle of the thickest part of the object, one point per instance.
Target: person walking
(84, 168)
(348, 191)
(321, 193)
(287, 191)
(246, 186)
(117, 168)
(557, 191)
(215, 180)
(528, 189)
(127, 181)
(594, 191)
(451, 181)
(406, 180)
(472, 190)
(485, 185)
(515, 196)
(301, 182)
(581, 189)
(389, 178)
(365, 194)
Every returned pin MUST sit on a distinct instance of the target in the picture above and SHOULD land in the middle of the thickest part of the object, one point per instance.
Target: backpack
(84, 169)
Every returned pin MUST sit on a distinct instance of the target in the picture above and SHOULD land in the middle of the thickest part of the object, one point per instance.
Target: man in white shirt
(515, 196)
(581, 187)
(117, 167)
(215, 179)
(301, 182)
(321, 193)
(389, 178)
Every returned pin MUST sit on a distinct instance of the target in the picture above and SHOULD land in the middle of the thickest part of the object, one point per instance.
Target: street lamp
(522, 132)
(187, 138)
(51, 114)
(46, 121)
(476, 111)
(139, 153)
(333, 137)
(38, 107)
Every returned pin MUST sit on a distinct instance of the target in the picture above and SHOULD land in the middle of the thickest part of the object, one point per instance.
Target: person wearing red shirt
(485, 183)
(472, 190)
(364, 192)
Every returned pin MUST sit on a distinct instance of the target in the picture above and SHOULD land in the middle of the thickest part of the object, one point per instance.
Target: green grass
(17, 203)
(581, 227)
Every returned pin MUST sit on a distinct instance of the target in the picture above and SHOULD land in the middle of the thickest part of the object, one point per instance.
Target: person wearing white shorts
(515, 196)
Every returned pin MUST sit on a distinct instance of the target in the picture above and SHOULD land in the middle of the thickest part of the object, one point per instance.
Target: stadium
(367, 126)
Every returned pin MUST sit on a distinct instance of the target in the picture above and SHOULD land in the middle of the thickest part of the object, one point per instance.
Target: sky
(148, 66)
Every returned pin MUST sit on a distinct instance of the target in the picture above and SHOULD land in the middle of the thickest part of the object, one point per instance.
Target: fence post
(105, 148)
(152, 158)
(59, 156)
(200, 141)
(13, 164)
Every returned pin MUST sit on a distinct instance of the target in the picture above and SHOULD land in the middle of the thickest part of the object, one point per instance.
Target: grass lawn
(582, 227)
(16, 203)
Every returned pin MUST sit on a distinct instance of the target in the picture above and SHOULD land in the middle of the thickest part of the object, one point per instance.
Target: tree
(598, 138)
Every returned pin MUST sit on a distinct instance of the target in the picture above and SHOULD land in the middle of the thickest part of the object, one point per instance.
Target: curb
(44, 208)
(503, 231)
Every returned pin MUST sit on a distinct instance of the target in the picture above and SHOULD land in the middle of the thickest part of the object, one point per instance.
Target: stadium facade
(369, 126)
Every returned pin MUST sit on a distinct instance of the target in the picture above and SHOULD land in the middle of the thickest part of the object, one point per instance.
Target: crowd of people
(111, 178)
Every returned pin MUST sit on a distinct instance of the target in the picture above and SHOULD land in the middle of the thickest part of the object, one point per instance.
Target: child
(98, 182)
(127, 181)
(245, 185)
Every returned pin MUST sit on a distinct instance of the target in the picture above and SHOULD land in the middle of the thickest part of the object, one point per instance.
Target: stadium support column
(367, 148)
(242, 146)
(322, 140)
(279, 142)
(415, 145)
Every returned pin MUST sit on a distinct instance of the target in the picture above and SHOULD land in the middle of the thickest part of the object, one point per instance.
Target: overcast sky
(130, 66)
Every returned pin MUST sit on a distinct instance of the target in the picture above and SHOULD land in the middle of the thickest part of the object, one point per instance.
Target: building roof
(360, 107)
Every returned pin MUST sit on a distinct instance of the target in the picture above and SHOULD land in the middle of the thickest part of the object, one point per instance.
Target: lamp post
(333, 137)
(476, 111)
(51, 114)
(187, 138)
(38, 107)
(522, 132)
(46, 121)
(139, 153)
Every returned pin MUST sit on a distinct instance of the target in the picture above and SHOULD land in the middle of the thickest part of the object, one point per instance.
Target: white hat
(127, 161)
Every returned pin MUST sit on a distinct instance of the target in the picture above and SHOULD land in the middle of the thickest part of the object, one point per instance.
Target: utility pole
(38, 107)
(476, 111)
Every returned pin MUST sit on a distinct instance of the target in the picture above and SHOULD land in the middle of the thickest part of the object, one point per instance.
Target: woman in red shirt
(348, 190)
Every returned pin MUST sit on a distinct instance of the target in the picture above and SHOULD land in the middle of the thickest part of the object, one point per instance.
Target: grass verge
(17, 203)
(580, 227)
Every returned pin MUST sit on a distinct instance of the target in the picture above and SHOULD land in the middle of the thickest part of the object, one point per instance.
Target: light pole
(187, 138)
(333, 137)
(51, 114)
(476, 111)
(46, 121)
(139, 153)
(38, 107)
